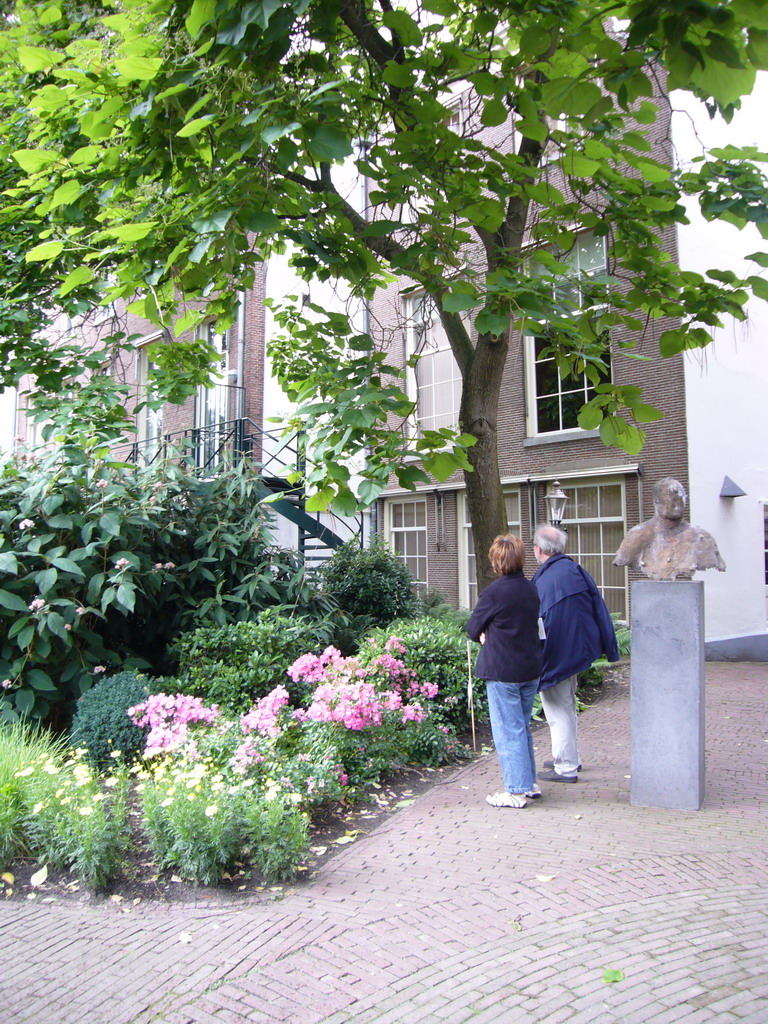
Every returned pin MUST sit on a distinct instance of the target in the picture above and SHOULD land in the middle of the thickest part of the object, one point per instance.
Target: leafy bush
(436, 651)
(370, 584)
(234, 665)
(102, 565)
(54, 808)
(22, 746)
(79, 821)
(277, 834)
(101, 724)
(432, 604)
(192, 820)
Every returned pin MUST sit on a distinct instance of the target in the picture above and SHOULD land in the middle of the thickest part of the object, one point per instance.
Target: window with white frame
(554, 401)
(407, 527)
(467, 546)
(435, 381)
(212, 406)
(595, 521)
(149, 420)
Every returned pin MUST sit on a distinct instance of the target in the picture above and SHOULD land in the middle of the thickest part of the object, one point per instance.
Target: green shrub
(436, 650)
(235, 665)
(22, 748)
(55, 808)
(278, 837)
(101, 724)
(192, 821)
(432, 604)
(103, 565)
(370, 584)
(79, 820)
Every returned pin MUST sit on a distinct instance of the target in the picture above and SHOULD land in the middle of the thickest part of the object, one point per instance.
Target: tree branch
(384, 245)
(354, 16)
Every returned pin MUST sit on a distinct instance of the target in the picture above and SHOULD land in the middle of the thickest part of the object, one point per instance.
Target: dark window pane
(547, 380)
(572, 404)
(548, 414)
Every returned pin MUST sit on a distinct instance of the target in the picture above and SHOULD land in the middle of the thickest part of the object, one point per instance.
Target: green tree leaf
(138, 69)
(201, 12)
(44, 251)
(8, 563)
(329, 143)
(11, 602)
(33, 160)
(37, 58)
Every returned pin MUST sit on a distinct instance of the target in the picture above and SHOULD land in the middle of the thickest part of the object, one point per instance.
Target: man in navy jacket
(579, 630)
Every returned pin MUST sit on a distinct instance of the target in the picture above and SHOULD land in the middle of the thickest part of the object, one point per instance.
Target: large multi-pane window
(594, 519)
(512, 505)
(150, 419)
(408, 536)
(595, 522)
(554, 400)
(212, 403)
(435, 383)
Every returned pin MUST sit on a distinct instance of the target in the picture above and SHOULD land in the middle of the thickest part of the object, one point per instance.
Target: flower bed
(215, 793)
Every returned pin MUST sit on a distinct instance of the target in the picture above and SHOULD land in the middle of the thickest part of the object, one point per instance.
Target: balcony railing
(205, 449)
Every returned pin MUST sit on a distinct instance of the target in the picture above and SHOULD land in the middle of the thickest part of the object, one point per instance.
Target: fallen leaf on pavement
(39, 876)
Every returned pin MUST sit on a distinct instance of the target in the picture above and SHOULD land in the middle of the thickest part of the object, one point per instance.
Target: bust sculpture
(667, 547)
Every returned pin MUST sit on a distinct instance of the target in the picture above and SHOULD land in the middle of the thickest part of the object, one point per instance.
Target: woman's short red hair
(507, 554)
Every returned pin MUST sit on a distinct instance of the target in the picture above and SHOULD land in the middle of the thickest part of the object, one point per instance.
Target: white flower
(211, 810)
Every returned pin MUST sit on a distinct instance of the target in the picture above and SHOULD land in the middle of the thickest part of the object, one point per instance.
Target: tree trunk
(479, 417)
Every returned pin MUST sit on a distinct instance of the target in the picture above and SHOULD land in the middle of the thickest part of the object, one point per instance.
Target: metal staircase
(226, 443)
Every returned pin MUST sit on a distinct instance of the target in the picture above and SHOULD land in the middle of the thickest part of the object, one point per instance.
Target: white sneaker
(506, 800)
(534, 792)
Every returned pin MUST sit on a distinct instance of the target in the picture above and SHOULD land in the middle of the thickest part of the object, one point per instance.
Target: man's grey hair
(550, 539)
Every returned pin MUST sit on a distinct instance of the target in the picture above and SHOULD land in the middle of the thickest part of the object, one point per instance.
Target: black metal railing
(208, 448)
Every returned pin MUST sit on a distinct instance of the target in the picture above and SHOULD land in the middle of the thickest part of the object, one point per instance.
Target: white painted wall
(727, 392)
(7, 421)
(282, 281)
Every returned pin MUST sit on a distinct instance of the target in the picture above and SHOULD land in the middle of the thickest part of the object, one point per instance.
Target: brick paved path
(453, 911)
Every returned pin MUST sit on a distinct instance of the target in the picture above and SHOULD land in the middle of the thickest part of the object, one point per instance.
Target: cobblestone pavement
(453, 911)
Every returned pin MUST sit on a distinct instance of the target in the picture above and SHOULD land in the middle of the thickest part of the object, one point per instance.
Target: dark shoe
(549, 765)
(554, 777)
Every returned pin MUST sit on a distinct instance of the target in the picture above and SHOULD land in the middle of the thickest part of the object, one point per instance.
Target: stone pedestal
(667, 705)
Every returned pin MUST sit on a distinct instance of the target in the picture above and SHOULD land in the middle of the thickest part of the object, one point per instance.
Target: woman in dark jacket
(506, 622)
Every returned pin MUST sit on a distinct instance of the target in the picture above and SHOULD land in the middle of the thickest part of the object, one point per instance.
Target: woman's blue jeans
(511, 705)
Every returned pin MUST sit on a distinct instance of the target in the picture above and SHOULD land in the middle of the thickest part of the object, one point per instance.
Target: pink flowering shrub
(357, 692)
(366, 715)
(265, 714)
(169, 720)
(436, 651)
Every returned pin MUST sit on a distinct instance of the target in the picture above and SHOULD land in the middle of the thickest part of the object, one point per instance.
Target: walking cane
(470, 694)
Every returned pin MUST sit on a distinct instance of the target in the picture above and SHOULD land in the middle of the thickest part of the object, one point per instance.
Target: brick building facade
(538, 439)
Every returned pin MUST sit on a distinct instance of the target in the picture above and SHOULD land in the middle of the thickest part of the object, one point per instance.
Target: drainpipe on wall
(241, 356)
(531, 505)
